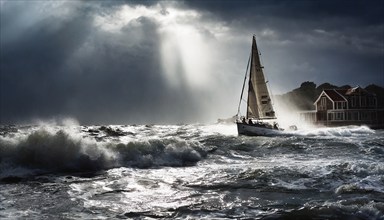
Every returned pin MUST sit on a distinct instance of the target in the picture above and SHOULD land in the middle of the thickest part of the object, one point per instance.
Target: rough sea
(195, 171)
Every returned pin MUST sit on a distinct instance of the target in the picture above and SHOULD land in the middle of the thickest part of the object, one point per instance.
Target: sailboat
(260, 118)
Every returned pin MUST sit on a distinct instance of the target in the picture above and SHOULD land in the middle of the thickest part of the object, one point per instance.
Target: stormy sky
(125, 62)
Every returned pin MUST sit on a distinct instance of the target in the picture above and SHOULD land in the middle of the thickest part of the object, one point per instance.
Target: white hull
(254, 130)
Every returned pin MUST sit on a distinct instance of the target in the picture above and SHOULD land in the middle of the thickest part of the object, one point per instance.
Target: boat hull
(255, 130)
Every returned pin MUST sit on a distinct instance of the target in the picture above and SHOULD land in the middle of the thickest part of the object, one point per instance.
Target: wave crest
(166, 152)
(44, 150)
(54, 151)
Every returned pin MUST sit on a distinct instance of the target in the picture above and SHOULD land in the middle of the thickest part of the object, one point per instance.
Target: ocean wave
(159, 152)
(345, 131)
(45, 150)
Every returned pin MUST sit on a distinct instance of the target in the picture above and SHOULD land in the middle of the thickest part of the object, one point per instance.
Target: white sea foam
(48, 149)
(223, 129)
(345, 131)
(57, 148)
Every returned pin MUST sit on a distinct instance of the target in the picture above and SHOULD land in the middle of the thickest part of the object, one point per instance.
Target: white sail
(259, 105)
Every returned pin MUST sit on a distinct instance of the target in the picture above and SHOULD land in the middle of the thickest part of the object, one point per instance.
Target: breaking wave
(44, 151)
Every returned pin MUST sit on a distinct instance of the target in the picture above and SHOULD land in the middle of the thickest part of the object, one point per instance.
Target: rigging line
(245, 79)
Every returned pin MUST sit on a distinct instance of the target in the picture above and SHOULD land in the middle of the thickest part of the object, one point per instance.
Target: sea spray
(56, 149)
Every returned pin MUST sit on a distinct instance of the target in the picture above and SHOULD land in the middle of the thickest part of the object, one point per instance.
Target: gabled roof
(332, 94)
(335, 95)
(357, 91)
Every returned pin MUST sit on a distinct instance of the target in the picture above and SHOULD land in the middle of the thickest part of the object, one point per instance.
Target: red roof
(335, 95)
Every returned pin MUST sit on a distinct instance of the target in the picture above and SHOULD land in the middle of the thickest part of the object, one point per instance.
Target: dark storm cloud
(30, 85)
(55, 60)
(111, 80)
(336, 41)
(351, 23)
(249, 10)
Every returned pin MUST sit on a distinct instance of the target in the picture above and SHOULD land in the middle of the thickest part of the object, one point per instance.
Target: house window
(323, 103)
(363, 101)
(372, 101)
(339, 105)
(353, 101)
(338, 116)
(356, 116)
(364, 116)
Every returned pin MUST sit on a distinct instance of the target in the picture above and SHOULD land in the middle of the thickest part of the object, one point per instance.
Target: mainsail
(259, 104)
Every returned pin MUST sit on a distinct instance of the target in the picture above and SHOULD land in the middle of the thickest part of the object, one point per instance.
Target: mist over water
(65, 170)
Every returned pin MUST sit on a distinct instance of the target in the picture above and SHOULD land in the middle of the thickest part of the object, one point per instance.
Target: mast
(259, 104)
(242, 90)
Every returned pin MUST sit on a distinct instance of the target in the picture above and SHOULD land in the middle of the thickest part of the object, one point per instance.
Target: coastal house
(340, 107)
